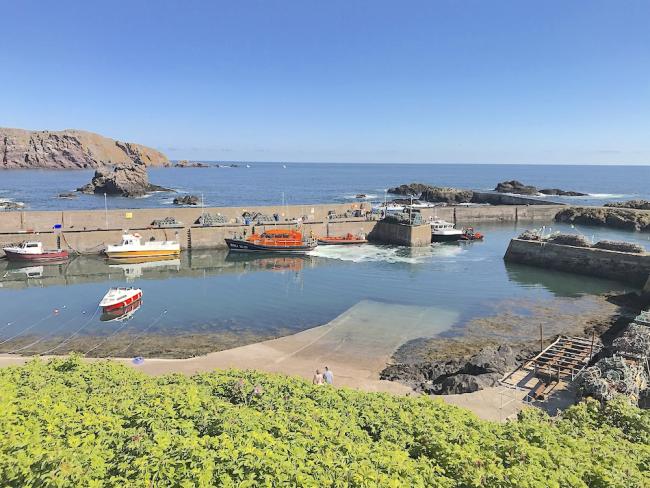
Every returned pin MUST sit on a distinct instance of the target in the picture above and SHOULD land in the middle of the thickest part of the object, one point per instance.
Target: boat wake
(388, 254)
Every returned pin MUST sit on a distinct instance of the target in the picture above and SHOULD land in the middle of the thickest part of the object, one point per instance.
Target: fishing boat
(33, 251)
(117, 298)
(342, 240)
(132, 246)
(273, 240)
(443, 231)
(469, 234)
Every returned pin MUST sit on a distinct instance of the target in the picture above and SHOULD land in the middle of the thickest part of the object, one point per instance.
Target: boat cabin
(30, 247)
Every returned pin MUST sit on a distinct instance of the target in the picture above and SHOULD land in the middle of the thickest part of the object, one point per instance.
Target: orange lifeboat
(274, 240)
(342, 240)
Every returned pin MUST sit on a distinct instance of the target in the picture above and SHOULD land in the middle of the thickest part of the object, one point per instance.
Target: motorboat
(132, 246)
(33, 251)
(273, 240)
(121, 314)
(117, 298)
(443, 231)
(342, 240)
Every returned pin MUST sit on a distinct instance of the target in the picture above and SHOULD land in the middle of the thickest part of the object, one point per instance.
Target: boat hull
(45, 256)
(341, 242)
(445, 237)
(122, 303)
(149, 253)
(121, 314)
(238, 245)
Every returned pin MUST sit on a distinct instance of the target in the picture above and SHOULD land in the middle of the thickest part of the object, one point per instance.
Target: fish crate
(167, 223)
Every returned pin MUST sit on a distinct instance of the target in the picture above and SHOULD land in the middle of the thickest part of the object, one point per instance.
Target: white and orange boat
(133, 247)
(342, 240)
(274, 240)
(117, 298)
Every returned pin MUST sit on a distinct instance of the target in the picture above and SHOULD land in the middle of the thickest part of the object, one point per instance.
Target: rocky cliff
(70, 149)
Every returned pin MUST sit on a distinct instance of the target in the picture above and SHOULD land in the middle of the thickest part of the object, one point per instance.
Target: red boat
(121, 314)
(117, 298)
(342, 240)
(469, 234)
(33, 251)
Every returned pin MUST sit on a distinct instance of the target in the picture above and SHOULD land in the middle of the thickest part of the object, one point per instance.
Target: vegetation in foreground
(70, 423)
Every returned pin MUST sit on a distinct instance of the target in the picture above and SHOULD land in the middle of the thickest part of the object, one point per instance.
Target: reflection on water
(210, 300)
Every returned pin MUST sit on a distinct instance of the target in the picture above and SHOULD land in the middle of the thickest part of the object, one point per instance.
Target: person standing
(328, 376)
(318, 378)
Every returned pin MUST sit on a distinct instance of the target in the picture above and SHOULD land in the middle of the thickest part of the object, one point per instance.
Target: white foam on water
(368, 196)
(364, 253)
(607, 195)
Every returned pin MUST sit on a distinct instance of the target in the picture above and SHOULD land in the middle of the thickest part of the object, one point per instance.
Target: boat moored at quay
(32, 251)
(133, 247)
(443, 231)
(274, 240)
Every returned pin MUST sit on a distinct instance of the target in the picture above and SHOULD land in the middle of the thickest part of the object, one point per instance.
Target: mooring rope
(74, 334)
(51, 314)
(107, 338)
(42, 338)
(155, 321)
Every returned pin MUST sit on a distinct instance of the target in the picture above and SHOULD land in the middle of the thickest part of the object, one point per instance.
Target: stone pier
(401, 234)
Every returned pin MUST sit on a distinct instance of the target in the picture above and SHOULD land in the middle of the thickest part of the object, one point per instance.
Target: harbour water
(210, 300)
(298, 183)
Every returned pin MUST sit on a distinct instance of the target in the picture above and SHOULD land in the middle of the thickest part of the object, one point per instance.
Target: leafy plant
(70, 423)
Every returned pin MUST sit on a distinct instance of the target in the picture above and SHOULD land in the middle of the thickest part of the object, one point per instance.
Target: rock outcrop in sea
(70, 149)
(187, 200)
(190, 164)
(126, 179)
(518, 188)
(455, 196)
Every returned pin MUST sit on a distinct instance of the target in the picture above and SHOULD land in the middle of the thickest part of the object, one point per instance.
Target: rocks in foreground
(127, 180)
(70, 149)
(618, 218)
(187, 200)
(635, 204)
(463, 375)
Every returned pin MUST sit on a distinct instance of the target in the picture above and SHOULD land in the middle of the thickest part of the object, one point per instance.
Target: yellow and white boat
(133, 247)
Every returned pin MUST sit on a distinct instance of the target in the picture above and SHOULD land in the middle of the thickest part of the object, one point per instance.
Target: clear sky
(518, 81)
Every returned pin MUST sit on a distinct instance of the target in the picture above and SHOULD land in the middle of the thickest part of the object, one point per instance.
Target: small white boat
(117, 298)
(132, 246)
(443, 231)
(33, 251)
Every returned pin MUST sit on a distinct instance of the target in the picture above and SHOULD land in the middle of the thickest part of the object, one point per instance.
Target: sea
(212, 300)
(306, 183)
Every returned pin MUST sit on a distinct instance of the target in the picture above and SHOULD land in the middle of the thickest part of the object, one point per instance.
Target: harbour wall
(620, 266)
(89, 231)
(401, 234)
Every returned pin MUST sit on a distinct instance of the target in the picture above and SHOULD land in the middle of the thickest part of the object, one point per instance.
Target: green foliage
(71, 423)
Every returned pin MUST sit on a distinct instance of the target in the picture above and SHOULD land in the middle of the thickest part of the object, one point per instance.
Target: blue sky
(343, 81)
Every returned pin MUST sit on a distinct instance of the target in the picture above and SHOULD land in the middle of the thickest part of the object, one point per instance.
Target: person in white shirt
(328, 376)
